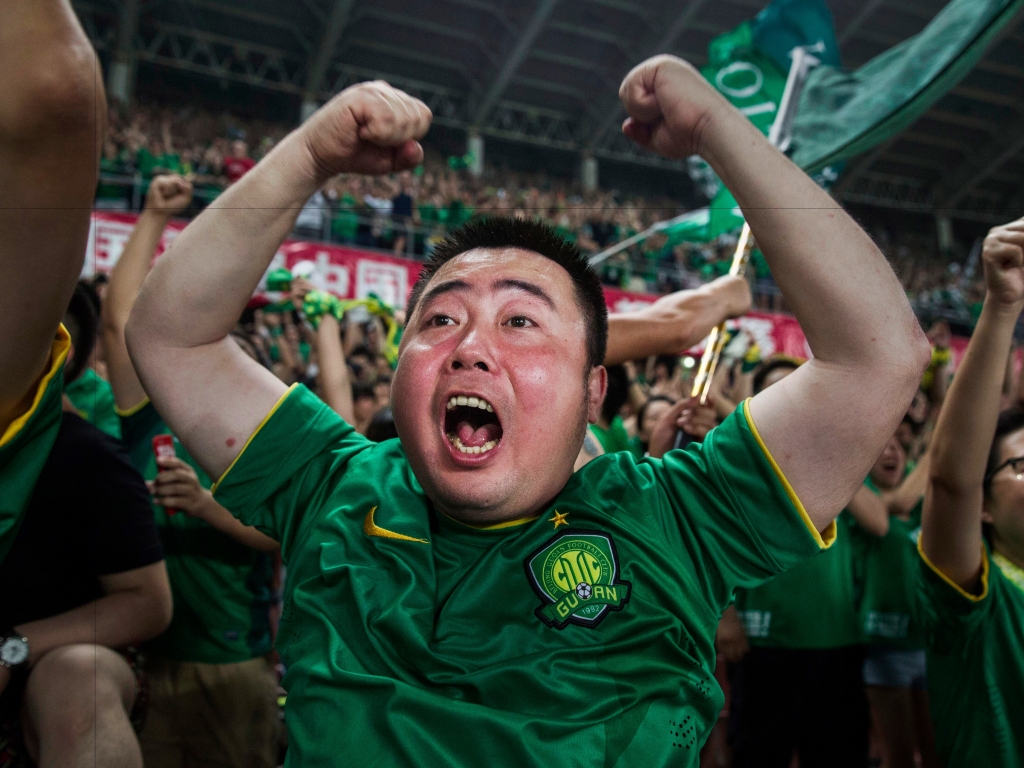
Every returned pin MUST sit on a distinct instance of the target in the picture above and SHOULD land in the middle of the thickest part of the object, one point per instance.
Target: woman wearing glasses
(972, 585)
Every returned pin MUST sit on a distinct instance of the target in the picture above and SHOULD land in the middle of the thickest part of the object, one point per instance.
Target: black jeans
(809, 702)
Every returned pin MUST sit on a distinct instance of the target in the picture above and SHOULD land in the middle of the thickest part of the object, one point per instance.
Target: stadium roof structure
(546, 72)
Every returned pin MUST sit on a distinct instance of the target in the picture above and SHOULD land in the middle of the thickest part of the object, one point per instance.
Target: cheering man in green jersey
(973, 596)
(460, 597)
(52, 111)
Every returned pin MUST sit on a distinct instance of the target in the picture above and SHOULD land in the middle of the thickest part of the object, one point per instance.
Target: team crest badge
(576, 575)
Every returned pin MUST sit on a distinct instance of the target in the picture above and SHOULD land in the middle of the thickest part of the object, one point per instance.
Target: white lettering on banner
(330, 276)
(388, 281)
(761, 330)
(107, 240)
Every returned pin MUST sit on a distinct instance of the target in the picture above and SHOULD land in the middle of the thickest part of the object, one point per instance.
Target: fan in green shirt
(26, 442)
(94, 400)
(972, 590)
(461, 596)
(89, 393)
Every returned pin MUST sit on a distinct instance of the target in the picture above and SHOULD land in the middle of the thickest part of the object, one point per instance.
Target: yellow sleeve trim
(124, 413)
(253, 435)
(963, 592)
(58, 354)
(826, 538)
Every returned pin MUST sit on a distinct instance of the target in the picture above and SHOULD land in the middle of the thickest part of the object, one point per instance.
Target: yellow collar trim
(963, 592)
(494, 526)
(256, 431)
(58, 354)
(124, 413)
(826, 538)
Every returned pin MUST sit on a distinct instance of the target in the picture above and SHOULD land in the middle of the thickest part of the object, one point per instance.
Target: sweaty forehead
(486, 265)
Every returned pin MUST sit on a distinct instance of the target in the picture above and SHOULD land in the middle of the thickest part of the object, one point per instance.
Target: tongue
(471, 437)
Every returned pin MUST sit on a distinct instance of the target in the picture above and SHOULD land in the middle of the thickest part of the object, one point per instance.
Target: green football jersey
(616, 438)
(221, 588)
(93, 398)
(888, 574)
(584, 635)
(811, 606)
(26, 442)
(975, 667)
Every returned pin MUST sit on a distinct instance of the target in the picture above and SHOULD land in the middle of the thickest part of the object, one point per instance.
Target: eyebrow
(509, 283)
(443, 288)
(523, 285)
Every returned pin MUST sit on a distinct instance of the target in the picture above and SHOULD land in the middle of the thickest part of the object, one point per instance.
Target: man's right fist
(670, 106)
(169, 194)
(369, 128)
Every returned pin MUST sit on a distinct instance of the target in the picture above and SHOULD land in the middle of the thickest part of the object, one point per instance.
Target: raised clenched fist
(368, 128)
(670, 106)
(1003, 257)
(169, 194)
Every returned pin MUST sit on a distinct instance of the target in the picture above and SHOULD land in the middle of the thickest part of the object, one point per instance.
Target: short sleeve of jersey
(288, 464)
(950, 614)
(738, 516)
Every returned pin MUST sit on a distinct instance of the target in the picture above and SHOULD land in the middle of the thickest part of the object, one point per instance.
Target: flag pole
(779, 136)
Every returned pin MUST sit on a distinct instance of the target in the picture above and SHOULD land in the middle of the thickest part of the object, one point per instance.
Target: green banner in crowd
(749, 66)
(843, 114)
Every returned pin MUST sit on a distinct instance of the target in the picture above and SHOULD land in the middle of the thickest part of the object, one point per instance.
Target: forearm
(115, 620)
(951, 526)
(674, 323)
(216, 516)
(126, 281)
(849, 303)
(335, 387)
(200, 287)
(869, 511)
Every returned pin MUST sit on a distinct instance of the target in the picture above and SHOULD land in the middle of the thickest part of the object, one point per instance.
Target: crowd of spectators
(409, 213)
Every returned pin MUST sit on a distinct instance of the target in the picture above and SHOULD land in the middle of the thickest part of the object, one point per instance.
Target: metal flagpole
(780, 136)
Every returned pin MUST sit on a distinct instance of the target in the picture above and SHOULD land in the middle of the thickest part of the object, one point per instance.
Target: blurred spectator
(239, 163)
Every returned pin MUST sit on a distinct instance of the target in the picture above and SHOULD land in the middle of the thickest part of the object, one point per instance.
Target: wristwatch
(14, 650)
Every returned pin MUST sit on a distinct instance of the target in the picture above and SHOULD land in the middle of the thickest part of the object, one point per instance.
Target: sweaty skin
(517, 351)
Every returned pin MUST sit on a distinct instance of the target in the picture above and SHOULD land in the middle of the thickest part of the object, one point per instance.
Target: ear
(597, 386)
(986, 516)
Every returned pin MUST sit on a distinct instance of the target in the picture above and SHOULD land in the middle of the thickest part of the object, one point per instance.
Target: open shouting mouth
(471, 425)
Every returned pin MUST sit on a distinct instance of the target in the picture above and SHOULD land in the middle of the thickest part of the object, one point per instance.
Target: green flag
(844, 114)
(749, 66)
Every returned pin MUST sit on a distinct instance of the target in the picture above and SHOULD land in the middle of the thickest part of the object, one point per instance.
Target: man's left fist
(670, 106)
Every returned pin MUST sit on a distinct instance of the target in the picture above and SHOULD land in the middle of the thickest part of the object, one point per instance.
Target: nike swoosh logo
(372, 529)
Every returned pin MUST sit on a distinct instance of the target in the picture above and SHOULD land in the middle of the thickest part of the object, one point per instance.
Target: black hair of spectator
(82, 323)
(361, 350)
(768, 367)
(381, 426)
(1011, 420)
(643, 408)
(669, 361)
(502, 232)
(617, 394)
(248, 316)
(251, 349)
(360, 391)
(89, 287)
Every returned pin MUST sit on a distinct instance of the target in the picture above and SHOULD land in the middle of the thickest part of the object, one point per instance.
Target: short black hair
(381, 426)
(361, 391)
(617, 393)
(1011, 420)
(643, 408)
(82, 323)
(502, 232)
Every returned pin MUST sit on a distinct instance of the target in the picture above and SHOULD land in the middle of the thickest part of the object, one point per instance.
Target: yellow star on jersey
(558, 519)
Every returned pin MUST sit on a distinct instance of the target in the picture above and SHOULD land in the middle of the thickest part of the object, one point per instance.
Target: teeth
(472, 402)
(488, 446)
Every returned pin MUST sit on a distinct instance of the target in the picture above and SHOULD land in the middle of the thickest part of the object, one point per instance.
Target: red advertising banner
(354, 273)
